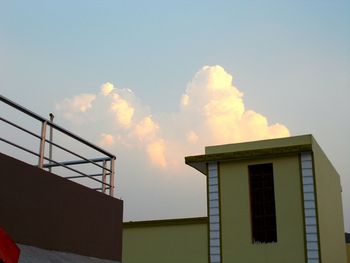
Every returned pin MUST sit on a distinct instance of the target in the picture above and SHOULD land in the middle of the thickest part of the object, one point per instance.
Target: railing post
(51, 140)
(42, 144)
(111, 177)
(104, 176)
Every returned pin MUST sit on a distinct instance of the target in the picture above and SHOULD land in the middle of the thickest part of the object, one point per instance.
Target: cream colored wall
(330, 210)
(186, 243)
(235, 214)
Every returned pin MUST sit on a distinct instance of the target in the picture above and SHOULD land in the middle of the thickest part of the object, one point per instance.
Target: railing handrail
(57, 127)
(52, 163)
(76, 162)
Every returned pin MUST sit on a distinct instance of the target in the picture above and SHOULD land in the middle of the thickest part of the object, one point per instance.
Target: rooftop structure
(268, 201)
(103, 164)
(272, 201)
(56, 218)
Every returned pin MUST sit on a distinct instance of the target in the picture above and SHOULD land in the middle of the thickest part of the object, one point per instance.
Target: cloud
(192, 137)
(146, 129)
(79, 103)
(156, 153)
(212, 98)
(74, 108)
(107, 88)
(107, 140)
(212, 111)
(123, 110)
(185, 100)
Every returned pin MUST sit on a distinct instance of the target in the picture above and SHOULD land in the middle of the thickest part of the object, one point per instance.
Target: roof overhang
(199, 162)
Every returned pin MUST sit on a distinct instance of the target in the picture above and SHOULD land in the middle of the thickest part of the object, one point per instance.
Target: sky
(154, 81)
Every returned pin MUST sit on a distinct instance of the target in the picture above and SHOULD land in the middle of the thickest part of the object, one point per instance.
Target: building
(347, 238)
(268, 201)
(167, 241)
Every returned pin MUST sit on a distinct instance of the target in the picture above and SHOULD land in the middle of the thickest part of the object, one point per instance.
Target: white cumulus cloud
(107, 88)
(123, 110)
(79, 103)
(156, 152)
(146, 128)
(212, 111)
(107, 140)
(74, 108)
(212, 98)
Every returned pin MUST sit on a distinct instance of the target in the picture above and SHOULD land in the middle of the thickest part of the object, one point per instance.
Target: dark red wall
(41, 209)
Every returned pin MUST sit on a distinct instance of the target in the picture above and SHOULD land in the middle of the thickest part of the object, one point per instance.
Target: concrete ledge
(36, 255)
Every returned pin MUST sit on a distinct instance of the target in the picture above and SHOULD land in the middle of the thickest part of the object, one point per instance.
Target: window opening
(262, 203)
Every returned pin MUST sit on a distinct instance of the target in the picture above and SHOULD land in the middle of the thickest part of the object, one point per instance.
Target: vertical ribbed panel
(214, 214)
(312, 249)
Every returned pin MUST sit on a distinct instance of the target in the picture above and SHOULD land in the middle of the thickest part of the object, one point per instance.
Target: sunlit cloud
(192, 137)
(146, 129)
(107, 88)
(156, 153)
(212, 111)
(107, 140)
(185, 100)
(74, 108)
(123, 110)
(79, 103)
(212, 98)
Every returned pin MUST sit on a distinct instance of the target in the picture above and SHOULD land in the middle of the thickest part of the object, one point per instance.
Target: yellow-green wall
(330, 210)
(258, 145)
(348, 250)
(235, 213)
(165, 243)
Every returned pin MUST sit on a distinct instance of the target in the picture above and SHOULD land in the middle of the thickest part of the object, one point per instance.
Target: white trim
(214, 214)
(310, 219)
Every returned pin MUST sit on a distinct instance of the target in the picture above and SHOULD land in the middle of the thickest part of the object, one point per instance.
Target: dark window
(262, 203)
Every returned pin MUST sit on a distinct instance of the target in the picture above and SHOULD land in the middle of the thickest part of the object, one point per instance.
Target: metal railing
(105, 164)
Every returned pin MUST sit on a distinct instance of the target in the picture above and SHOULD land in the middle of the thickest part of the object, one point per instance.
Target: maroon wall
(41, 209)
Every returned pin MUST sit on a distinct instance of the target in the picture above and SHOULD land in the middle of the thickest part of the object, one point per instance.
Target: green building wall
(329, 208)
(236, 233)
(166, 241)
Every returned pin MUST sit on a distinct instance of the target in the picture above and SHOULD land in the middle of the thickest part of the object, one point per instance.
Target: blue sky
(291, 59)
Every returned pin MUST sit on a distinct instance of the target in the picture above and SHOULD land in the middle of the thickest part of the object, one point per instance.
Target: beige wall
(330, 210)
(235, 214)
(171, 241)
